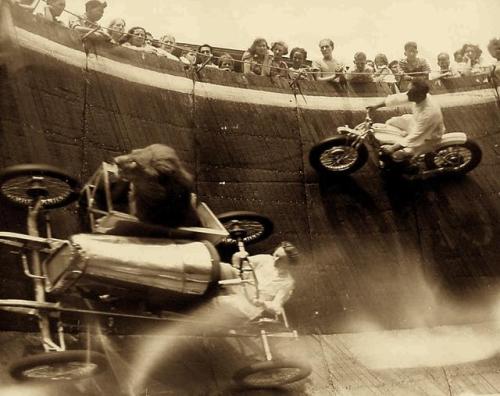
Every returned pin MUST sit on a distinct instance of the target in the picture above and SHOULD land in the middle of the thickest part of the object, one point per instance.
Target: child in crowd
(361, 73)
(382, 71)
(299, 68)
(226, 62)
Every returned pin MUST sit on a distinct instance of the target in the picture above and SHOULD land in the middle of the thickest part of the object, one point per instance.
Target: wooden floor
(447, 360)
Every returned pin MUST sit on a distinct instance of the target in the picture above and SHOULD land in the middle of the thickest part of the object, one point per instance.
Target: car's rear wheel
(59, 366)
(271, 373)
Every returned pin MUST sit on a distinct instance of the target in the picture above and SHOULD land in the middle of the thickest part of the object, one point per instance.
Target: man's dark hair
(419, 87)
(206, 45)
(291, 251)
(394, 62)
(298, 49)
(95, 3)
(410, 44)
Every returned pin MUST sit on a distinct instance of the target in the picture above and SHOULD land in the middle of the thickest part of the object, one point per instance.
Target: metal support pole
(265, 343)
(38, 281)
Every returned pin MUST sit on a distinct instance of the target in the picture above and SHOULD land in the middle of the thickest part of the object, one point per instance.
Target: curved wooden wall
(377, 253)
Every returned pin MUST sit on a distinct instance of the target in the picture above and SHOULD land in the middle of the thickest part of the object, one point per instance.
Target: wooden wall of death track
(374, 251)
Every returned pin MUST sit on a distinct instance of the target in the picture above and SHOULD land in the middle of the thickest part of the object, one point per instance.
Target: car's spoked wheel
(59, 366)
(250, 227)
(271, 373)
(22, 185)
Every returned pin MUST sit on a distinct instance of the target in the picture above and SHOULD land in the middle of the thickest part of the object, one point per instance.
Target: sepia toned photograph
(232, 198)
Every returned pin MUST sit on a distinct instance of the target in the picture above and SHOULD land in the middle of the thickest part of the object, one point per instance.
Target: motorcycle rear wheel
(337, 156)
(455, 158)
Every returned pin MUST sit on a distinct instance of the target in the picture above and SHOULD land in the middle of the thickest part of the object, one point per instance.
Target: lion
(161, 188)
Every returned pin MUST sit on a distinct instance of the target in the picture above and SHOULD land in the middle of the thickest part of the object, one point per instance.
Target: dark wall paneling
(375, 252)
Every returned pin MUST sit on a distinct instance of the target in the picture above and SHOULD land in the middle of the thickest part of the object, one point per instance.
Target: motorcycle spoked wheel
(271, 373)
(337, 156)
(59, 366)
(455, 158)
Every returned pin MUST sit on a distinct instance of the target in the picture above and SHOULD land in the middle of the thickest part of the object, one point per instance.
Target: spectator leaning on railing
(205, 56)
(167, 43)
(188, 57)
(445, 68)
(226, 62)
(329, 69)
(411, 66)
(278, 65)
(257, 59)
(87, 24)
(360, 73)
(494, 50)
(382, 71)
(116, 30)
(136, 39)
(473, 63)
(53, 10)
(260, 60)
(299, 68)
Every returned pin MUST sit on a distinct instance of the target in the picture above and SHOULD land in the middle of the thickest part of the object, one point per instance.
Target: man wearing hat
(87, 23)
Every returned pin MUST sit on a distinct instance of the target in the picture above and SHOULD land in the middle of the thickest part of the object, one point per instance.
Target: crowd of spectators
(264, 60)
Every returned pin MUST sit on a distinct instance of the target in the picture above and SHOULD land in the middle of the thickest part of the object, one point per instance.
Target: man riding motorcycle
(424, 127)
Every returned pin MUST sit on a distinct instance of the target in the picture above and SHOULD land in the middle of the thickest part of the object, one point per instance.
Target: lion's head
(160, 186)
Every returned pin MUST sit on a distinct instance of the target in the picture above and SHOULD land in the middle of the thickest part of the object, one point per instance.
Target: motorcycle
(347, 152)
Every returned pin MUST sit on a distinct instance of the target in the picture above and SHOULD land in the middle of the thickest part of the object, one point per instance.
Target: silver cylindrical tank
(187, 267)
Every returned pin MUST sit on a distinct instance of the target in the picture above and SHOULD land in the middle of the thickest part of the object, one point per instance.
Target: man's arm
(279, 300)
(26, 5)
(376, 106)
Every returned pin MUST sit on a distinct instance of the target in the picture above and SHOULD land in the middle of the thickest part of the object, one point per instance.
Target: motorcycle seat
(391, 129)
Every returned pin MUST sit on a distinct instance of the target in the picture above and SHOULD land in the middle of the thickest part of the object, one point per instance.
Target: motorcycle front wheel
(337, 156)
(455, 158)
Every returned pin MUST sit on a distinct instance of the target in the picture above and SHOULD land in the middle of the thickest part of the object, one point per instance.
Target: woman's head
(298, 56)
(167, 42)
(259, 47)
(381, 60)
(116, 28)
(279, 48)
(471, 51)
(137, 36)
